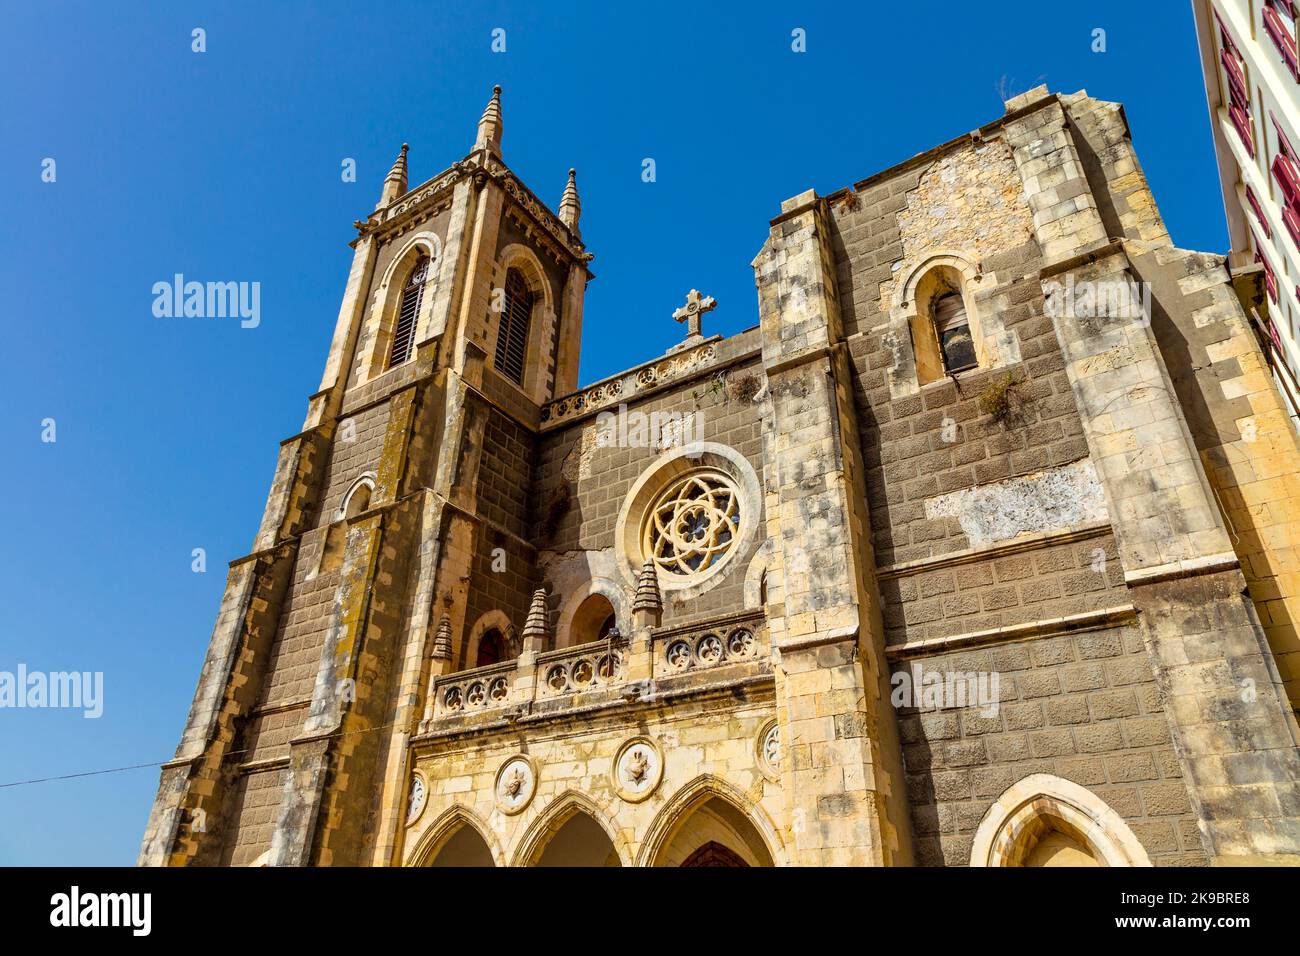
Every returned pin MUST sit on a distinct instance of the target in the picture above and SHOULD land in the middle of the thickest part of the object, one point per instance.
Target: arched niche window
(408, 313)
(593, 620)
(512, 331)
(1045, 820)
(491, 648)
(358, 497)
(358, 501)
(354, 503)
(945, 337)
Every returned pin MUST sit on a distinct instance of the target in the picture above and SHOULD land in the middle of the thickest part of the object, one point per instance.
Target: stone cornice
(644, 380)
(1028, 542)
(541, 214)
(1087, 621)
(1187, 568)
(413, 204)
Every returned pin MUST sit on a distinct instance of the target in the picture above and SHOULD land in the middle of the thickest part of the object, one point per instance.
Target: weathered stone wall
(1053, 577)
(939, 441)
(504, 585)
(256, 800)
(295, 655)
(1084, 707)
(505, 474)
(1223, 698)
(1248, 447)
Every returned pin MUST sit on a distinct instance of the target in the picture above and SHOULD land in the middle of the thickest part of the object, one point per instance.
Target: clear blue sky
(225, 165)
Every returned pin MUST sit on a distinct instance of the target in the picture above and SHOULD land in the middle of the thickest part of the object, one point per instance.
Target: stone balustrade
(585, 667)
(738, 639)
(629, 385)
(482, 688)
(604, 672)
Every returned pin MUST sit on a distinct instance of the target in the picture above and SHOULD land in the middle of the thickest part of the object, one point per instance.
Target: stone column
(570, 336)
(842, 767)
(325, 403)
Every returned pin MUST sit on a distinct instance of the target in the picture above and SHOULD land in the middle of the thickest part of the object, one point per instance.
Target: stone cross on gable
(693, 311)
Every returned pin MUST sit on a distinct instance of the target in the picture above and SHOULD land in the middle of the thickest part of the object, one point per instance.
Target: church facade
(980, 548)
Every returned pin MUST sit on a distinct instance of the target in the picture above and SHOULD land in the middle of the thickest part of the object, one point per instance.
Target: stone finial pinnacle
(442, 642)
(395, 182)
(570, 205)
(537, 627)
(490, 124)
(648, 604)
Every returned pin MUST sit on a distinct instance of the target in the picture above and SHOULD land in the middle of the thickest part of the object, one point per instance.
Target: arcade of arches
(711, 833)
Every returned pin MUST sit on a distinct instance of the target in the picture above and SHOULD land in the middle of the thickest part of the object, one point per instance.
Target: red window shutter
(1282, 139)
(1241, 122)
(1236, 76)
(1284, 172)
(1291, 218)
(1253, 200)
(1225, 37)
(1282, 35)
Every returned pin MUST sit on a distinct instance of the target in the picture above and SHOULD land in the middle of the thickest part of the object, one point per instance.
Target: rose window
(693, 524)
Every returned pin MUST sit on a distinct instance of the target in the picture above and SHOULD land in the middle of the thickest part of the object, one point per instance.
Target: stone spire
(395, 182)
(648, 605)
(489, 125)
(442, 642)
(537, 627)
(570, 205)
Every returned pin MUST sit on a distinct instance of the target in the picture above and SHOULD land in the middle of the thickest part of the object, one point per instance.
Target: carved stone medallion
(419, 796)
(516, 784)
(638, 768)
(768, 751)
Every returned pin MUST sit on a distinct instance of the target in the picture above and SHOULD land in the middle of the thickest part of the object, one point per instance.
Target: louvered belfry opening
(512, 335)
(412, 294)
(953, 328)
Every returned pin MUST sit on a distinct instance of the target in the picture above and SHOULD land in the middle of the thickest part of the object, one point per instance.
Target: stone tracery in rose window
(693, 524)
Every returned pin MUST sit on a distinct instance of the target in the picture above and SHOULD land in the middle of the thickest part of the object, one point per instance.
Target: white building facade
(1252, 81)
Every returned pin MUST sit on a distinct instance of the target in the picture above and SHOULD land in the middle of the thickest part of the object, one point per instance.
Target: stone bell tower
(461, 318)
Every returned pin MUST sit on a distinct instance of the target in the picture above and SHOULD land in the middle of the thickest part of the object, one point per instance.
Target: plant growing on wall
(744, 389)
(1000, 400)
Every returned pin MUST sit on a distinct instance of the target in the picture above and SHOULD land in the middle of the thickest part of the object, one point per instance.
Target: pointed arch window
(491, 649)
(408, 313)
(593, 621)
(512, 333)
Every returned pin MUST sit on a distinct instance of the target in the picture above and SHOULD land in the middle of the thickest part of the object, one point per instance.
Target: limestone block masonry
(816, 594)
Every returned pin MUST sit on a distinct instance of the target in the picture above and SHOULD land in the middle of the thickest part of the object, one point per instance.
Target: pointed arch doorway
(713, 832)
(464, 847)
